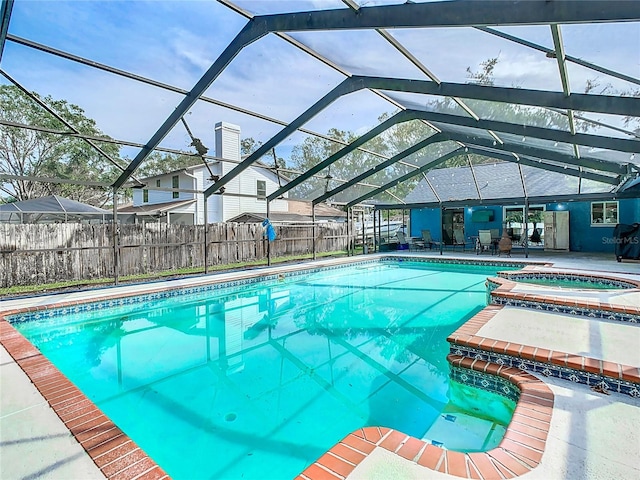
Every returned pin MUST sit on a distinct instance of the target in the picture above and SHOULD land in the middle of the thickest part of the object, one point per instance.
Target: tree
(158, 163)
(32, 153)
(314, 150)
(249, 145)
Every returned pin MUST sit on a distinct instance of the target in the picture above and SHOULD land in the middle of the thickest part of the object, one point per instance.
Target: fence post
(116, 248)
(313, 230)
(268, 242)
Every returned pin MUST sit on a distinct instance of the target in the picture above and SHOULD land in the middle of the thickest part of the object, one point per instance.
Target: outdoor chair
(412, 243)
(458, 239)
(485, 242)
(426, 238)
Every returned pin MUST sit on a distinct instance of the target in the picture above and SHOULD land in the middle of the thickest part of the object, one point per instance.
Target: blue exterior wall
(471, 228)
(586, 238)
(426, 219)
(582, 236)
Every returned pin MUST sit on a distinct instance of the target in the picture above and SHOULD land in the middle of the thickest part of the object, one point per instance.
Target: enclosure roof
(52, 204)
(544, 86)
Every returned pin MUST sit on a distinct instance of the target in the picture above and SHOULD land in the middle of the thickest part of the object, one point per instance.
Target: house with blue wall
(490, 204)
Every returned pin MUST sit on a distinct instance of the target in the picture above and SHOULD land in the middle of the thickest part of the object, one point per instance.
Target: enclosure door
(451, 220)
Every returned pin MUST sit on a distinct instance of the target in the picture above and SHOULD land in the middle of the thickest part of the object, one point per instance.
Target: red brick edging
(519, 452)
(115, 454)
(466, 335)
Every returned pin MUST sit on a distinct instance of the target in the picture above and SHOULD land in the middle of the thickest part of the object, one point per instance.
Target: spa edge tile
(393, 441)
(431, 457)
(372, 434)
(483, 464)
(528, 352)
(523, 439)
(335, 464)
(575, 361)
(526, 451)
(456, 463)
(630, 374)
(411, 448)
(526, 409)
(515, 467)
(347, 453)
(315, 472)
(611, 369)
(535, 402)
(531, 422)
(359, 444)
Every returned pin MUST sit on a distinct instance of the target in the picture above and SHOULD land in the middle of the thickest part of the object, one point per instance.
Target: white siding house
(247, 192)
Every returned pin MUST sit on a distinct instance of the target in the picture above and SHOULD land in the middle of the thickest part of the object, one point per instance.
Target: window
(604, 213)
(145, 195)
(158, 183)
(175, 183)
(515, 224)
(261, 188)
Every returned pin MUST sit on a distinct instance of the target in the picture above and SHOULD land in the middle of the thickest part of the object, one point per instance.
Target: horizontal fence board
(32, 254)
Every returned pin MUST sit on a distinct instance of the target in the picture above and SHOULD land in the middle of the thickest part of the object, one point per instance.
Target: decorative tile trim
(461, 261)
(484, 381)
(113, 452)
(595, 373)
(588, 279)
(500, 291)
(519, 452)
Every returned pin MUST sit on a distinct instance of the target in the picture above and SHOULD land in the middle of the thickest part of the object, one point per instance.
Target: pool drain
(230, 417)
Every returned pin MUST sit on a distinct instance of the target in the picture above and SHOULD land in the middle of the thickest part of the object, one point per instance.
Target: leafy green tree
(249, 145)
(31, 153)
(158, 163)
(315, 149)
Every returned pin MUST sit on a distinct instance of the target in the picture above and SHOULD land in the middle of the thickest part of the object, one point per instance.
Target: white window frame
(175, 183)
(601, 221)
(260, 196)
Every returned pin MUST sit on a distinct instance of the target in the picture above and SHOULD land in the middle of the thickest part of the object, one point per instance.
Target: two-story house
(247, 192)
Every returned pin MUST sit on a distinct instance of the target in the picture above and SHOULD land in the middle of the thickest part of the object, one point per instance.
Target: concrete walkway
(601, 339)
(34, 443)
(592, 436)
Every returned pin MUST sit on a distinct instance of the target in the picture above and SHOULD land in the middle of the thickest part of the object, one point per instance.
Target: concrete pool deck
(591, 435)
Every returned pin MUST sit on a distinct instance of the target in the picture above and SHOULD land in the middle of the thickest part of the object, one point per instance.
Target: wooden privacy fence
(41, 253)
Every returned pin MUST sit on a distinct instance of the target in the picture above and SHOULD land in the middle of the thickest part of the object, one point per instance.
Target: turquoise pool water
(259, 380)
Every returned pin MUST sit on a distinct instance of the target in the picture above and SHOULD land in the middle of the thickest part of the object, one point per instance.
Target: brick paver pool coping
(519, 452)
(115, 454)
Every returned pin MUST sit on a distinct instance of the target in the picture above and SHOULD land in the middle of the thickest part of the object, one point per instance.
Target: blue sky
(176, 41)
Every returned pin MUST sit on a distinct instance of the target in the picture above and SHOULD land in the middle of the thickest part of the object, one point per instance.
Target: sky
(174, 42)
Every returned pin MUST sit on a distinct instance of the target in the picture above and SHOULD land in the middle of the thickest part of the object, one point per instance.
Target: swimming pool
(265, 377)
